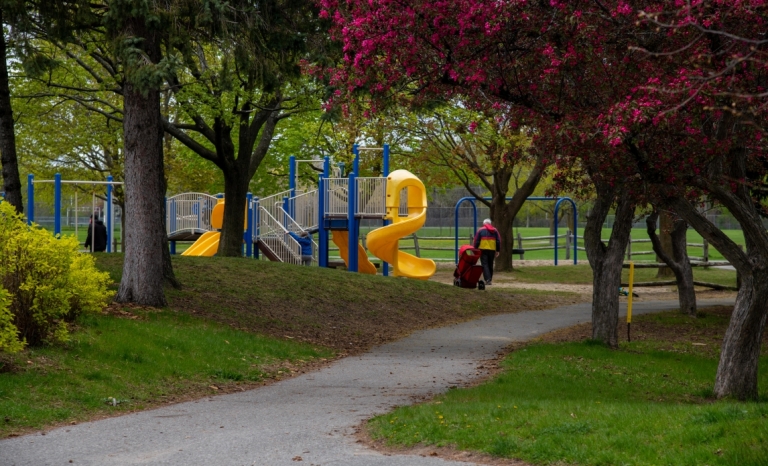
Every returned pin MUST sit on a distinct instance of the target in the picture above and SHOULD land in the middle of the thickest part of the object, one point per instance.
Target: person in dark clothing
(97, 236)
(305, 241)
(488, 241)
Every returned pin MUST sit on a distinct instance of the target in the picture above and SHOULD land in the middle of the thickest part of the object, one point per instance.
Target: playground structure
(557, 200)
(334, 211)
(108, 211)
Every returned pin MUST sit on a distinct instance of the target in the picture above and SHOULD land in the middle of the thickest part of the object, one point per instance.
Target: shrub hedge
(45, 283)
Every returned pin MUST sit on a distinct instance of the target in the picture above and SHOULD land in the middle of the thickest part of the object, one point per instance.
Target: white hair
(487, 221)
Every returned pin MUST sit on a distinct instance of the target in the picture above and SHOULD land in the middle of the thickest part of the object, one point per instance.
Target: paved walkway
(312, 416)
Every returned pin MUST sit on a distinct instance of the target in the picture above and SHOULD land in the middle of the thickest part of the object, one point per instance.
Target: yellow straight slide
(205, 246)
(341, 239)
(383, 242)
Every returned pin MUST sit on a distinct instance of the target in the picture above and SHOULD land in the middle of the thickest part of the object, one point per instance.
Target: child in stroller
(468, 271)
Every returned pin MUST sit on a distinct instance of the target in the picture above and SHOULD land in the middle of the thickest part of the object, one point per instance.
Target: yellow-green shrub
(48, 283)
(9, 334)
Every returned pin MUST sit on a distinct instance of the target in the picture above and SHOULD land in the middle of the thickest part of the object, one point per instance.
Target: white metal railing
(254, 207)
(294, 227)
(275, 237)
(402, 211)
(189, 212)
(304, 209)
(336, 196)
(371, 196)
(274, 203)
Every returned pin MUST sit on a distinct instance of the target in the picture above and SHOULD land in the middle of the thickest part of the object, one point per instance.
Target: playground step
(268, 253)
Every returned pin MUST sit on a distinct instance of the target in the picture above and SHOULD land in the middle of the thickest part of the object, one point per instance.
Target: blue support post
(575, 227)
(109, 218)
(385, 161)
(557, 205)
(286, 205)
(256, 225)
(173, 248)
(575, 233)
(248, 236)
(353, 227)
(292, 175)
(30, 199)
(326, 166)
(471, 200)
(322, 233)
(385, 174)
(57, 204)
(356, 162)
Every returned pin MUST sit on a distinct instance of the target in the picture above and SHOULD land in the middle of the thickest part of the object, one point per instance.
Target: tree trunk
(168, 273)
(10, 163)
(666, 224)
(504, 221)
(683, 272)
(678, 261)
(142, 281)
(235, 196)
(738, 368)
(503, 213)
(606, 262)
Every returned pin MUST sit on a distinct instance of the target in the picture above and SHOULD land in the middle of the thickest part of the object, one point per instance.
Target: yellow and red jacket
(487, 238)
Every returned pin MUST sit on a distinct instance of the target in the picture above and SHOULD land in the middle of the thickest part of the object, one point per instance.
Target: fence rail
(371, 196)
(189, 212)
(304, 209)
(336, 196)
(274, 203)
(704, 245)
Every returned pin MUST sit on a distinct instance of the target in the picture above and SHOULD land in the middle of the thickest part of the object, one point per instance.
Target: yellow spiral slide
(341, 239)
(383, 242)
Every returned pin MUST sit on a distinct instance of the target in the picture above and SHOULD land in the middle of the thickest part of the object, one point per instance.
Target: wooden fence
(531, 243)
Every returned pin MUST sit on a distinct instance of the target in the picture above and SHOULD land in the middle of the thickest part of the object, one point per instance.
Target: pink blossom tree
(663, 110)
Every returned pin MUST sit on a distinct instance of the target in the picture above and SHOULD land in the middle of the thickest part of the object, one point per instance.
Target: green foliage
(9, 334)
(580, 403)
(45, 283)
(153, 358)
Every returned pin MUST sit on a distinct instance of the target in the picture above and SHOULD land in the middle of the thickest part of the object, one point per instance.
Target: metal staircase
(273, 224)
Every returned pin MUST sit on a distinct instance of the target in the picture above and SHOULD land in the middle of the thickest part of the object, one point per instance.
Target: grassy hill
(345, 311)
(236, 324)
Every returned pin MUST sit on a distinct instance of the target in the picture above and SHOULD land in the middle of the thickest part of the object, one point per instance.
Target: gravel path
(310, 418)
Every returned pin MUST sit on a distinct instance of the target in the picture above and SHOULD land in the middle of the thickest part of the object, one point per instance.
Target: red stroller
(468, 271)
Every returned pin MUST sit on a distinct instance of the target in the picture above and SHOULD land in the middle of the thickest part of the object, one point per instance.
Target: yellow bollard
(629, 297)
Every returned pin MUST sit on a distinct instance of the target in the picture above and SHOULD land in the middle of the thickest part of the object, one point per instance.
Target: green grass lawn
(235, 321)
(582, 274)
(581, 403)
(139, 362)
(447, 246)
(444, 248)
